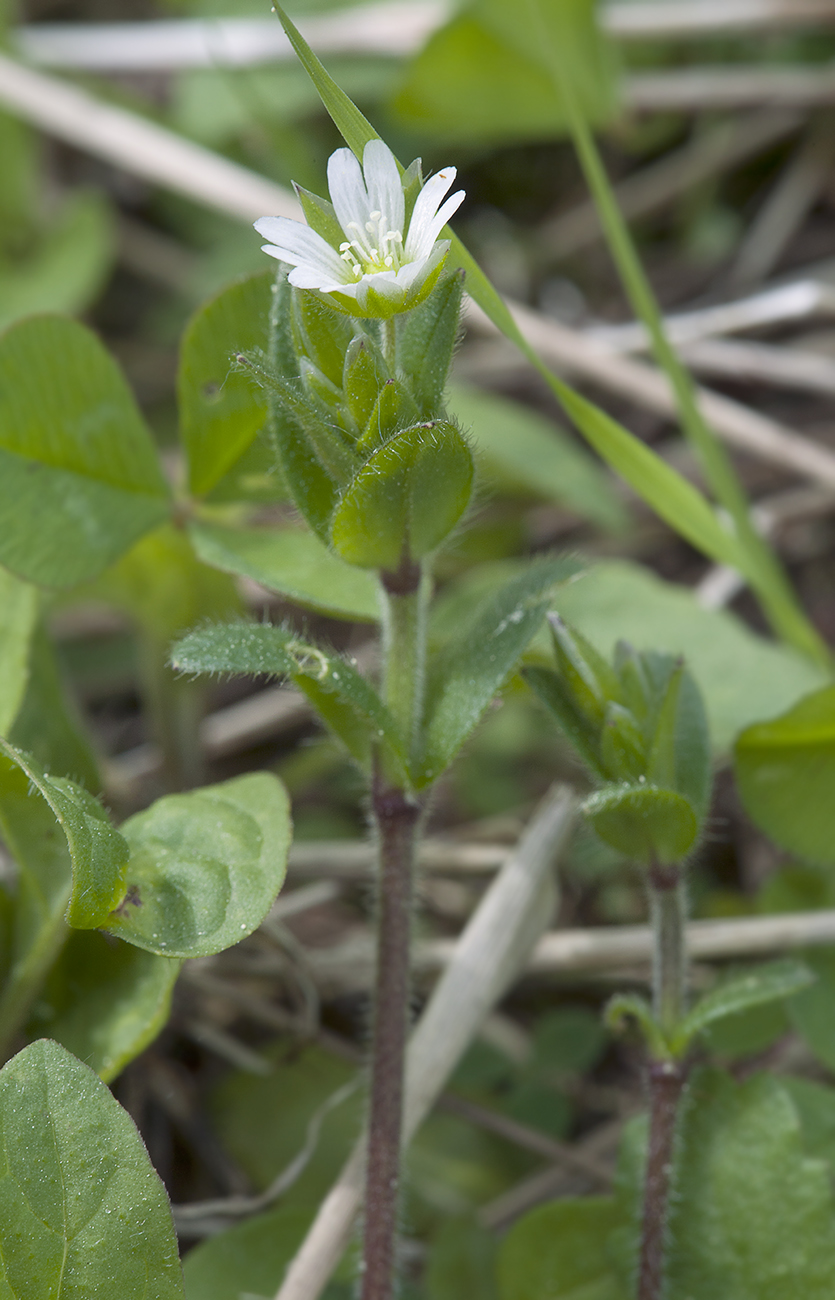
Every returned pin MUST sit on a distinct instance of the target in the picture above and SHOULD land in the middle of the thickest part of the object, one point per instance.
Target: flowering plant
(376, 252)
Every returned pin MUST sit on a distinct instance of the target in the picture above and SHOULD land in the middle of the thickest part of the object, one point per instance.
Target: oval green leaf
(84, 1212)
(205, 867)
(406, 499)
(644, 822)
(79, 476)
(104, 1000)
(221, 410)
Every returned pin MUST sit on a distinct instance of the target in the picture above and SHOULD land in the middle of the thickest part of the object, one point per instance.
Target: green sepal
(635, 685)
(320, 216)
(624, 1007)
(426, 343)
(769, 983)
(622, 744)
(320, 333)
(392, 412)
(555, 695)
(363, 375)
(644, 822)
(406, 499)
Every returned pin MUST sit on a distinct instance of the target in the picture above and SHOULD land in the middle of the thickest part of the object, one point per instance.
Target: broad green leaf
(461, 1262)
(249, 1258)
(558, 1251)
(34, 922)
(815, 1106)
(785, 773)
(262, 1120)
(752, 1216)
(164, 588)
(205, 867)
(18, 617)
(771, 983)
(484, 76)
(84, 1212)
(477, 659)
(520, 448)
(347, 702)
(221, 410)
(104, 1000)
(406, 499)
(811, 1011)
(742, 677)
(644, 822)
(668, 493)
(79, 476)
(67, 268)
(98, 852)
(293, 562)
(48, 724)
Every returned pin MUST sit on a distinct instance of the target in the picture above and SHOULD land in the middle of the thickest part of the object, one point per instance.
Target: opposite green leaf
(772, 983)
(406, 499)
(84, 1212)
(205, 867)
(18, 616)
(644, 822)
(105, 1001)
(221, 410)
(480, 655)
(558, 1251)
(785, 772)
(98, 852)
(292, 562)
(79, 475)
(348, 704)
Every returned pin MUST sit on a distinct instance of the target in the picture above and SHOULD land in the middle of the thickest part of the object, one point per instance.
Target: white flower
(379, 268)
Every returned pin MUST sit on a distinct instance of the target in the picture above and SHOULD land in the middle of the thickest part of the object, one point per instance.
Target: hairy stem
(668, 911)
(397, 818)
(390, 343)
(666, 1084)
(176, 709)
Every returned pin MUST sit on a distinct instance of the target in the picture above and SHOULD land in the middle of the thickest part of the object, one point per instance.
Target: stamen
(375, 216)
(369, 225)
(389, 261)
(344, 247)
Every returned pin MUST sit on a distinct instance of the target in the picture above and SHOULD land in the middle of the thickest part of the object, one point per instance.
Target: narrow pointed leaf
(771, 983)
(474, 663)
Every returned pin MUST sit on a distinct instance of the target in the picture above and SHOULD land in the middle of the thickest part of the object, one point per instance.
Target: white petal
(385, 190)
(413, 274)
(436, 225)
(297, 243)
(311, 277)
(426, 205)
(348, 193)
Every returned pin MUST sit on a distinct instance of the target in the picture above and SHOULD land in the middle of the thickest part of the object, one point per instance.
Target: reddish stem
(666, 1084)
(397, 818)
